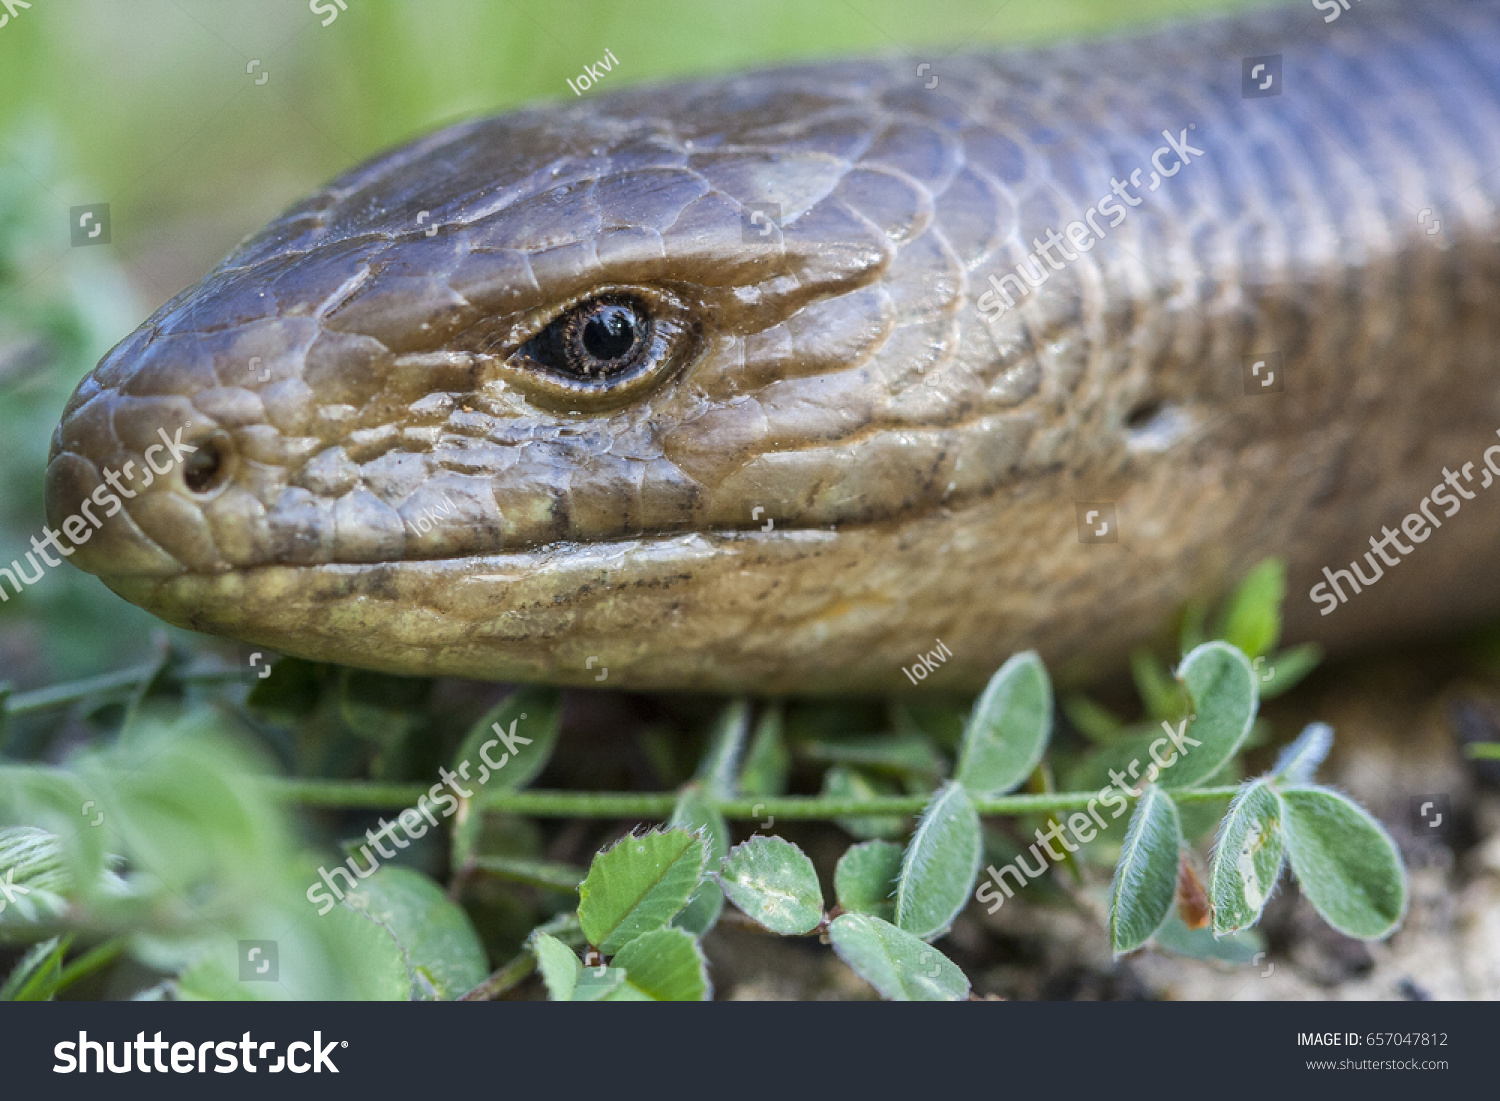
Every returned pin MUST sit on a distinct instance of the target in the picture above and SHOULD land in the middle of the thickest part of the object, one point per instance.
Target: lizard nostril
(206, 470)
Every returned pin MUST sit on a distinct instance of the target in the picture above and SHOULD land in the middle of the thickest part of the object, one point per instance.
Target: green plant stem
(1484, 751)
(507, 977)
(589, 804)
(533, 873)
(60, 695)
(95, 959)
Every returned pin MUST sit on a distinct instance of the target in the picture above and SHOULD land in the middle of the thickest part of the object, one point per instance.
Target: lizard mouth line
(538, 555)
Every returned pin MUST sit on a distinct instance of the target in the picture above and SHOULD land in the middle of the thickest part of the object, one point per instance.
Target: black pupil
(609, 333)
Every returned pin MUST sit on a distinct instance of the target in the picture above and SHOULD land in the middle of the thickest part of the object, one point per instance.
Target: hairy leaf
(774, 883)
(638, 884)
(1345, 862)
(940, 865)
(1248, 858)
(1222, 685)
(1145, 880)
(1008, 730)
(865, 880)
(664, 965)
(899, 965)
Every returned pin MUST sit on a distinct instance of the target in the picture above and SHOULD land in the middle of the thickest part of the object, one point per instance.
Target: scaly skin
(399, 491)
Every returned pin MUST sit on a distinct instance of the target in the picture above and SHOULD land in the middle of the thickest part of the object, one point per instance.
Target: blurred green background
(198, 120)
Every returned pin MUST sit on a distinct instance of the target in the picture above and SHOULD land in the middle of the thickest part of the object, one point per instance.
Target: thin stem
(591, 804)
(60, 695)
(563, 926)
(510, 975)
(533, 873)
(96, 958)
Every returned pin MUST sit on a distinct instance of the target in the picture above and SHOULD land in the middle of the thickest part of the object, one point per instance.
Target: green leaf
(941, 722)
(940, 865)
(768, 761)
(1220, 681)
(865, 880)
(1162, 696)
(344, 955)
(34, 870)
(547, 874)
(696, 813)
(1299, 761)
(775, 884)
(290, 692)
(720, 765)
(505, 751)
(664, 965)
(904, 755)
(442, 951)
(1282, 672)
(1247, 860)
(1145, 882)
(900, 966)
(638, 884)
(560, 967)
(841, 782)
(1345, 862)
(1194, 631)
(1094, 721)
(380, 707)
(1252, 619)
(1201, 944)
(35, 976)
(1008, 730)
(602, 983)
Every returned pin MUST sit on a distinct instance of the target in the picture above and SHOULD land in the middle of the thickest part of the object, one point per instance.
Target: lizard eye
(608, 347)
(596, 341)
